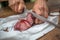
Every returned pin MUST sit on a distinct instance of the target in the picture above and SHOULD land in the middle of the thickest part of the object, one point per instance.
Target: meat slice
(30, 18)
(24, 24)
(17, 26)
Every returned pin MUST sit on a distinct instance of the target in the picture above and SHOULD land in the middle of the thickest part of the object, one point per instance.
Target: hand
(17, 5)
(40, 7)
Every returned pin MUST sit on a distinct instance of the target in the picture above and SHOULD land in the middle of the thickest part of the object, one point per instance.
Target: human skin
(17, 5)
(40, 7)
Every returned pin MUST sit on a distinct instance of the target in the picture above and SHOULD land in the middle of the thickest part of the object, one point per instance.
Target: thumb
(21, 8)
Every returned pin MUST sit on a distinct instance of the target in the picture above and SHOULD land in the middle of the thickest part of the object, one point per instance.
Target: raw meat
(30, 18)
(24, 24)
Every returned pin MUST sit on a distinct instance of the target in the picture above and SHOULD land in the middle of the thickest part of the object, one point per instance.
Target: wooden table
(52, 35)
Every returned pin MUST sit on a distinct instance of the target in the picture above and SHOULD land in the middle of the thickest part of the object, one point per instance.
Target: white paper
(31, 34)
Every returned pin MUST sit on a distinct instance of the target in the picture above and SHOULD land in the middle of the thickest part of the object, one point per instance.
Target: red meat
(30, 18)
(24, 24)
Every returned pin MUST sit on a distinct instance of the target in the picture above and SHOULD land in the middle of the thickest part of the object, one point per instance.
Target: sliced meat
(24, 24)
(17, 26)
(30, 18)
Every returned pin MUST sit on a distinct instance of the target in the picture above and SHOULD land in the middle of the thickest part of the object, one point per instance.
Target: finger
(20, 8)
(46, 13)
(37, 11)
(12, 7)
(41, 10)
(16, 8)
(37, 21)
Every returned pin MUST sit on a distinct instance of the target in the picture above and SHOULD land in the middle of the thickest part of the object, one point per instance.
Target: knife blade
(44, 19)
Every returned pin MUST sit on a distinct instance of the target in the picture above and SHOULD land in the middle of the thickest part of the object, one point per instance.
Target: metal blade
(44, 19)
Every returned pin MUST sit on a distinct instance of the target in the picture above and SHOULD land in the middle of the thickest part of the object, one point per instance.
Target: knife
(44, 19)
